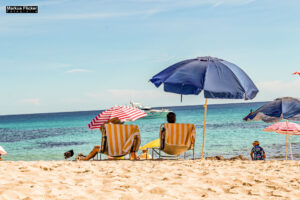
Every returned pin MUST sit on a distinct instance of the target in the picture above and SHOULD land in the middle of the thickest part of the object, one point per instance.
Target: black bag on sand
(69, 154)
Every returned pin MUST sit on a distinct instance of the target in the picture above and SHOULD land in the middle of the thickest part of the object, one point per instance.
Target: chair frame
(104, 143)
(158, 150)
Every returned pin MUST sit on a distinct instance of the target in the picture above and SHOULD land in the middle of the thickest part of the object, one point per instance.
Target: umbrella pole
(286, 147)
(286, 137)
(287, 130)
(290, 147)
(204, 126)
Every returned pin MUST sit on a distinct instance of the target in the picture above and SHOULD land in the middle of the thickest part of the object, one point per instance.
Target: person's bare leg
(92, 154)
(134, 156)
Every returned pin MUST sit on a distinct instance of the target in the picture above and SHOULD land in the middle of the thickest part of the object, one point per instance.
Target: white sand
(150, 180)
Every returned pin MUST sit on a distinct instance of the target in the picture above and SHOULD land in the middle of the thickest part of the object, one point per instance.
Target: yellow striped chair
(176, 138)
(119, 139)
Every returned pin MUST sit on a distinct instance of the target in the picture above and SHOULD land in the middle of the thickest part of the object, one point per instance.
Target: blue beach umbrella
(218, 79)
(287, 108)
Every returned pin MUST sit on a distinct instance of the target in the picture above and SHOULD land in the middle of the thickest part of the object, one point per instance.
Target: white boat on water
(151, 113)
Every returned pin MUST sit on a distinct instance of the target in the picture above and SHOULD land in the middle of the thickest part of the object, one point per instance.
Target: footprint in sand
(157, 190)
(106, 181)
(138, 188)
(127, 197)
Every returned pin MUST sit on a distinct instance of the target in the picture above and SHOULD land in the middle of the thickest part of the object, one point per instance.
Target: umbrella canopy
(218, 78)
(124, 113)
(152, 144)
(297, 73)
(287, 108)
(2, 151)
(289, 128)
(281, 108)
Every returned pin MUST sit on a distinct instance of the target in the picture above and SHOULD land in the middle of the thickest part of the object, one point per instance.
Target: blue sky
(87, 55)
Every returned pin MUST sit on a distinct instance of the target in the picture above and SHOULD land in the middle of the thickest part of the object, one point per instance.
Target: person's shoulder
(259, 148)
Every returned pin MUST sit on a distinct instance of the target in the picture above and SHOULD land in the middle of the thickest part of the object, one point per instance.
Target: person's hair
(256, 142)
(171, 117)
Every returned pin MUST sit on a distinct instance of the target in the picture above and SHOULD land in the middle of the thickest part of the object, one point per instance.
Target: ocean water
(47, 136)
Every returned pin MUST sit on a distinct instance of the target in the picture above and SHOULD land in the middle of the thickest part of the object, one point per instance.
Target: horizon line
(106, 109)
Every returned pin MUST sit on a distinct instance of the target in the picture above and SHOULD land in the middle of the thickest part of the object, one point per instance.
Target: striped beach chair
(119, 139)
(176, 139)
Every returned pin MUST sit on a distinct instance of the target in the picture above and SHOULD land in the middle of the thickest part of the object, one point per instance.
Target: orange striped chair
(176, 139)
(119, 140)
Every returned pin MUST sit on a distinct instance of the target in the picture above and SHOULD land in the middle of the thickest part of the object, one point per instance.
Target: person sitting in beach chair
(176, 138)
(97, 148)
(117, 140)
(257, 152)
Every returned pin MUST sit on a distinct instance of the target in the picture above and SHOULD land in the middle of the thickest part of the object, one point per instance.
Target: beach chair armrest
(103, 144)
(162, 136)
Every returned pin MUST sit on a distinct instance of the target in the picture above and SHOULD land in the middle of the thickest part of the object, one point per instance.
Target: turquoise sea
(47, 136)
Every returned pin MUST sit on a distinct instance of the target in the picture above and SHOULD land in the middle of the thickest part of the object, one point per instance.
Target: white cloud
(153, 97)
(77, 70)
(270, 90)
(155, 7)
(31, 101)
(125, 94)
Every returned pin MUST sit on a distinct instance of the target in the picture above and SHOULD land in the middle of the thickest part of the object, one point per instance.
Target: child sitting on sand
(257, 152)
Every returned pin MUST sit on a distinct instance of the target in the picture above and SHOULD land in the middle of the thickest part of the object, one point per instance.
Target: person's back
(171, 118)
(257, 152)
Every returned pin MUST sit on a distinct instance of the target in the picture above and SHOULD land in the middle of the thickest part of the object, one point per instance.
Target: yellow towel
(179, 134)
(152, 144)
(120, 138)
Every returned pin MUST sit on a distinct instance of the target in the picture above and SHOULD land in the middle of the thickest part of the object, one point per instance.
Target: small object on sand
(80, 157)
(239, 157)
(69, 154)
(215, 158)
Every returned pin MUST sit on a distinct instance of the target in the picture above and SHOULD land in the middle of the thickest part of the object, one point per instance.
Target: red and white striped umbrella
(297, 73)
(289, 128)
(123, 113)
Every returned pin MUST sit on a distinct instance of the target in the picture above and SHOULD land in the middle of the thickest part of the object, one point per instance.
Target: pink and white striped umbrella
(297, 73)
(2, 151)
(283, 128)
(124, 113)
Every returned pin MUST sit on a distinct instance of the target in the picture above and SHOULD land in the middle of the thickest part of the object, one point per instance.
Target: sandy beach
(181, 179)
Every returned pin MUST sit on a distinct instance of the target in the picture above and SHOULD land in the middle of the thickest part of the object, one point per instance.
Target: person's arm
(264, 154)
(251, 154)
